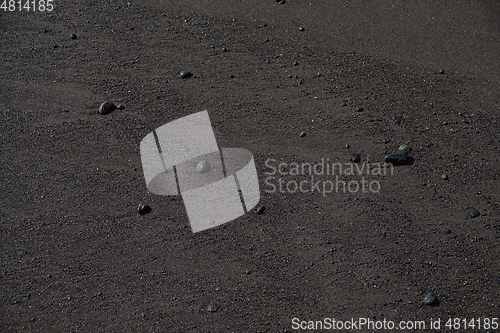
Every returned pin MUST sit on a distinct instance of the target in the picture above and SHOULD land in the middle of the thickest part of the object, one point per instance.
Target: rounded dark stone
(260, 209)
(398, 158)
(344, 104)
(430, 298)
(301, 29)
(355, 157)
(397, 119)
(73, 36)
(475, 213)
(106, 108)
(143, 208)
(185, 74)
(360, 108)
(212, 307)
(302, 134)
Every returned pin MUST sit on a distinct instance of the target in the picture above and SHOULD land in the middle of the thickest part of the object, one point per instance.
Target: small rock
(212, 307)
(355, 157)
(224, 49)
(73, 36)
(397, 119)
(295, 63)
(120, 107)
(441, 71)
(344, 104)
(444, 176)
(302, 134)
(347, 145)
(106, 108)
(185, 74)
(266, 40)
(143, 208)
(360, 108)
(231, 76)
(247, 271)
(203, 167)
(45, 30)
(301, 29)
(430, 298)
(260, 209)
(475, 213)
(386, 141)
(398, 158)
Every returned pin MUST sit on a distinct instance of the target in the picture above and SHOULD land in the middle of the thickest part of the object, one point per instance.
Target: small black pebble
(344, 104)
(355, 157)
(301, 29)
(185, 74)
(73, 36)
(266, 40)
(260, 209)
(224, 49)
(441, 71)
(231, 76)
(398, 158)
(475, 213)
(212, 307)
(360, 108)
(143, 208)
(397, 119)
(430, 298)
(45, 30)
(386, 141)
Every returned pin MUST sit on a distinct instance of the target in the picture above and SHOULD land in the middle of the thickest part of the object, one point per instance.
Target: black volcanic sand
(76, 255)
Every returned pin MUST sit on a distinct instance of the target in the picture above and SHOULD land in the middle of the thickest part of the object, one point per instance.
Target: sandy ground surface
(76, 255)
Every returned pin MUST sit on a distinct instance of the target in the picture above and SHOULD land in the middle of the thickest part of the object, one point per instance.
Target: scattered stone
(143, 208)
(55, 46)
(347, 145)
(203, 167)
(430, 299)
(266, 40)
(281, 2)
(231, 76)
(260, 209)
(212, 307)
(301, 29)
(475, 213)
(224, 49)
(386, 141)
(398, 158)
(120, 107)
(441, 71)
(360, 108)
(397, 119)
(247, 271)
(444, 176)
(355, 157)
(45, 30)
(106, 107)
(73, 36)
(302, 134)
(185, 74)
(344, 104)
(295, 63)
